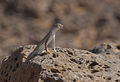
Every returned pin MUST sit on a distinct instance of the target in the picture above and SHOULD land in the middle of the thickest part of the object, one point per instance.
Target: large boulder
(65, 65)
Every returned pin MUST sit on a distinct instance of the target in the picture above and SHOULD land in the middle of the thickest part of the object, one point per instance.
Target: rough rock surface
(106, 48)
(65, 65)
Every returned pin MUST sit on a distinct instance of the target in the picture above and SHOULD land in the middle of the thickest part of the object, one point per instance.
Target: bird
(46, 40)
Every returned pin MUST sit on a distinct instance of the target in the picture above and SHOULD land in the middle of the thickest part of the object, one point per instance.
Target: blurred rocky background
(86, 22)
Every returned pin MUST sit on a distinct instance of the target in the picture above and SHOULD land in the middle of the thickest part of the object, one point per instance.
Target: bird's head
(58, 26)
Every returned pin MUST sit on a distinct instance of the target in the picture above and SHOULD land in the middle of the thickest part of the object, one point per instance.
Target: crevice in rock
(55, 70)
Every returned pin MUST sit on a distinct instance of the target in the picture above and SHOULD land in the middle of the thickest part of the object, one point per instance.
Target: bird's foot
(48, 51)
(54, 50)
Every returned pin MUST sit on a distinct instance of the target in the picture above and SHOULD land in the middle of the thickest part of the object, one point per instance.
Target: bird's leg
(46, 44)
(46, 48)
(54, 43)
(48, 51)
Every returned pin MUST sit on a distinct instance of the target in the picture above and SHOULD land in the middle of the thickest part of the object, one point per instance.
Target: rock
(65, 65)
(106, 48)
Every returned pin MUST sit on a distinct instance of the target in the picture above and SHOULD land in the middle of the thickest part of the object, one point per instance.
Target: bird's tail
(35, 51)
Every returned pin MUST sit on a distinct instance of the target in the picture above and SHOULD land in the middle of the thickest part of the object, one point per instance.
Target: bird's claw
(48, 51)
(54, 50)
